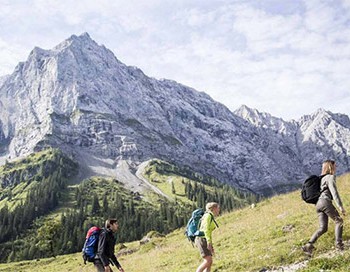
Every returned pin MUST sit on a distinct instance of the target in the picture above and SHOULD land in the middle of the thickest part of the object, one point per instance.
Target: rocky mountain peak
(256, 117)
(80, 98)
(323, 120)
(264, 120)
(325, 117)
(247, 113)
(320, 114)
(82, 41)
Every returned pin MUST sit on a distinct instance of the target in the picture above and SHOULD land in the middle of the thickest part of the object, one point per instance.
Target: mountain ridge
(80, 98)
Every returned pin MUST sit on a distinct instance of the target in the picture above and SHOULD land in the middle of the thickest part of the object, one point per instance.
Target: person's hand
(121, 269)
(211, 248)
(342, 210)
(108, 268)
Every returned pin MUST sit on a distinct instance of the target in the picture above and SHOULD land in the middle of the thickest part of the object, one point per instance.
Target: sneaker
(340, 247)
(308, 249)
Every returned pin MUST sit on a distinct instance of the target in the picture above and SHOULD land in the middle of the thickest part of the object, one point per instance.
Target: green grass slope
(188, 187)
(18, 178)
(268, 236)
(42, 214)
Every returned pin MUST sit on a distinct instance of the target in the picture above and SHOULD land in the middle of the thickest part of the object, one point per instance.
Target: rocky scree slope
(79, 97)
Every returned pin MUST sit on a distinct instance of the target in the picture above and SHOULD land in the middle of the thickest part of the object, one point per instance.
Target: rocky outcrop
(311, 139)
(81, 98)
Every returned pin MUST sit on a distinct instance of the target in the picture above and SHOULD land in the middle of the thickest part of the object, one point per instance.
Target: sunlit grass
(267, 236)
(18, 192)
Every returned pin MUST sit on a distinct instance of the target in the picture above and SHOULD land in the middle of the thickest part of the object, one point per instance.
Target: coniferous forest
(42, 214)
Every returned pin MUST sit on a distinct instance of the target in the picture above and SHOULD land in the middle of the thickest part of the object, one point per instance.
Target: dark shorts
(202, 245)
(99, 266)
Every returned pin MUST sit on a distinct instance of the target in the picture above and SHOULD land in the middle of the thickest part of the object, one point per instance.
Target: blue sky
(288, 58)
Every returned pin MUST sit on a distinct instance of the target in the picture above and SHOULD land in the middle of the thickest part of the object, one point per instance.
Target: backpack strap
(212, 219)
(321, 177)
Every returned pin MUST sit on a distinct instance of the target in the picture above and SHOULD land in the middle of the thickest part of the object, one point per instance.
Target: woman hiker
(204, 242)
(326, 209)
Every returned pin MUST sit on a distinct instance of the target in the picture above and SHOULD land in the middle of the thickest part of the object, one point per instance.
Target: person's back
(329, 190)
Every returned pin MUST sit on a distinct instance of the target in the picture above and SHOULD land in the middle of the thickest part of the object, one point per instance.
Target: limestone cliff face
(310, 140)
(78, 96)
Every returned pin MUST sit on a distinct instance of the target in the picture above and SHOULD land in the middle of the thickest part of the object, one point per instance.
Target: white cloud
(9, 56)
(269, 55)
(319, 17)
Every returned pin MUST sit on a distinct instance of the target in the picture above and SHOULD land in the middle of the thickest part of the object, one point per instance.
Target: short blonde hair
(211, 205)
(328, 167)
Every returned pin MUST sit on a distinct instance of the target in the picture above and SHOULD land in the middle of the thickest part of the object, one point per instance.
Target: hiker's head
(328, 167)
(112, 224)
(213, 207)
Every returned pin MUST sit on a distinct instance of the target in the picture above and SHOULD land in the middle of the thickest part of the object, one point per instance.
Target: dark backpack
(311, 189)
(192, 228)
(91, 243)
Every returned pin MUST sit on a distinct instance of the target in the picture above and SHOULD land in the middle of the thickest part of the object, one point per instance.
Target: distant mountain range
(80, 98)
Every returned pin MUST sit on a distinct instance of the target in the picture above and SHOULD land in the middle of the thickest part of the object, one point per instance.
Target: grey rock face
(310, 140)
(81, 98)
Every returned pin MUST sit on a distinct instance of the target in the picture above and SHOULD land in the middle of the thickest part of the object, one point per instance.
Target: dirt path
(139, 175)
(299, 265)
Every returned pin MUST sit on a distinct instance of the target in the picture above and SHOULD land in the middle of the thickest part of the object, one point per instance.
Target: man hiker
(105, 251)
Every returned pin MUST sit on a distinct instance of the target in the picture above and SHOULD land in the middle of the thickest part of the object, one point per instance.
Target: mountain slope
(44, 213)
(268, 236)
(80, 98)
(313, 138)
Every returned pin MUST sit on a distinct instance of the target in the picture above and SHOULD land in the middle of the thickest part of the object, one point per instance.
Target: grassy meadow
(267, 236)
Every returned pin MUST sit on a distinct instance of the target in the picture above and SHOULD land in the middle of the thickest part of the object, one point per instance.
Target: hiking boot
(308, 249)
(340, 247)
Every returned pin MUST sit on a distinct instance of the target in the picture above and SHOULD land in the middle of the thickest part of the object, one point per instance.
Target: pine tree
(11, 257)
(105, 204)
(31, 251)
(173, 188)
(95, 208)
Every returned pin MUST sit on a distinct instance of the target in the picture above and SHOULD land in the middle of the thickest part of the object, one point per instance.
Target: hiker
(325, 208)
(105, 250)
(205, 243)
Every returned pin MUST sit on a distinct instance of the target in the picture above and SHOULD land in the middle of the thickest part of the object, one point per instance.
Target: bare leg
(205, 265)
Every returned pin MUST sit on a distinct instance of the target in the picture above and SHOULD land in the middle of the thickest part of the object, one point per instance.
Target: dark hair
(110, 222)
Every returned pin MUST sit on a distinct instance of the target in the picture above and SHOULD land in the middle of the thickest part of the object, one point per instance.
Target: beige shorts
(202, 245)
